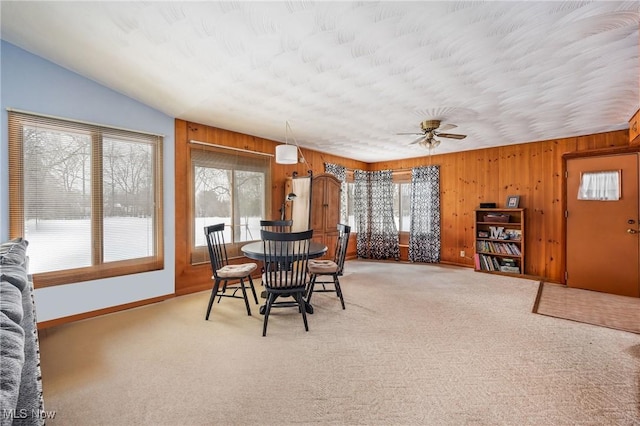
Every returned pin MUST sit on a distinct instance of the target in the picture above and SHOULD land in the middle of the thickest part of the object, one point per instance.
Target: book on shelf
(487, 262)
(509, 262)
(498, 248)
(496, 264)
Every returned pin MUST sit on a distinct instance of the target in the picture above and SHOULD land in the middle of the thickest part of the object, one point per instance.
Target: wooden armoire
(325, 210)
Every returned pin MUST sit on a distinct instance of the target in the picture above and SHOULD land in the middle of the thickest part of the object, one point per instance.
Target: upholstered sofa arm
(21, 400)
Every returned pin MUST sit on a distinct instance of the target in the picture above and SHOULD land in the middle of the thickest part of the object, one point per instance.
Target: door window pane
(600, 186)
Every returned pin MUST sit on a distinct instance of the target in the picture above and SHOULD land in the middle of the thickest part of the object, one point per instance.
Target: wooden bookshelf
(499, 242)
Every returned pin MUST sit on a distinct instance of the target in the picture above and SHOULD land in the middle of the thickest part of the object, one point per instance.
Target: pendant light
(288, 154)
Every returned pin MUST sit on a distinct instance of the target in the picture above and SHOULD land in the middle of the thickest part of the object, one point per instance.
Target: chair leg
(312, 283)
(336, 283)
(299, 297)
(270, 298)
(253, 289)
(214, 292)
(224, 289)
(244, 294)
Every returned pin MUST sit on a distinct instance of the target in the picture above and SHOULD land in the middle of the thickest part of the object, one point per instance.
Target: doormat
(591, 307)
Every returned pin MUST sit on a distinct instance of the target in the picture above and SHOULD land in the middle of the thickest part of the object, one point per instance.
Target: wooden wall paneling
(533, 170)
(475, 182)
(480, 183)
(634, 129)
(553, 215)
(540, 176)
(513, 178)
(464, 190)
(181, 211)
(586, 143)
(450, 206)
(449, 195)
(195, 277)
(319, 158)
(619, 138)
(190, 278)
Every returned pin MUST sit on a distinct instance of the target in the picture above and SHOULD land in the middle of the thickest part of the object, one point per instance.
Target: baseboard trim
(111, 309)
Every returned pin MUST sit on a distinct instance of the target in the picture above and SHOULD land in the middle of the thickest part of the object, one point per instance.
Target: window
(86, 197)
(402, 206)
(600, 186)
(229, 187)
(347, 212)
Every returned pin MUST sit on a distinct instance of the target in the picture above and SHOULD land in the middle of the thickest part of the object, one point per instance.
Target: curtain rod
(401, 169)
(88, 123)
(195, 142)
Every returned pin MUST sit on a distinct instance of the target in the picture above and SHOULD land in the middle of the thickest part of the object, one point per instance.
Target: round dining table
(255, 251)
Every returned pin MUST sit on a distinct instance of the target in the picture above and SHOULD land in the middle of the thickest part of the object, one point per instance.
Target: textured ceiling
(348, 76)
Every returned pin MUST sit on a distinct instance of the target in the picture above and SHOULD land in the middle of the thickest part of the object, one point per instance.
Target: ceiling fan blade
(417, 140)
(451, 135)
(447, 126)
(414, 133)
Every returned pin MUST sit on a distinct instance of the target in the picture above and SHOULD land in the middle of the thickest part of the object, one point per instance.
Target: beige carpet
(591, 307)
(416, 345)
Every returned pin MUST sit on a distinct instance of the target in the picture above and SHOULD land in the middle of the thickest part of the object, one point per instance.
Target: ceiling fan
(430, 131)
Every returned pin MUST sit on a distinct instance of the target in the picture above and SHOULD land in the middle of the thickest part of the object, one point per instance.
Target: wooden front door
(603, 242)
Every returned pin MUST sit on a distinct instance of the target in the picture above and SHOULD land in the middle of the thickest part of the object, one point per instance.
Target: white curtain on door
(601, 186)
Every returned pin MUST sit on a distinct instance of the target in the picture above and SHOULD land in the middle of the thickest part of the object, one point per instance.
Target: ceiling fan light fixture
(430, 125)
(429, 142)
(430, 131)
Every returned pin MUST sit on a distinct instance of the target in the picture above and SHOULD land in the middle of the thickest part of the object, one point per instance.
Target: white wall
(31, 83)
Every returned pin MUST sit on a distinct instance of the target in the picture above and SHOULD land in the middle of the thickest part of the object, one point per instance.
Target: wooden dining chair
(330, 268)
(286, 259)
(223, 271)
(276, 225)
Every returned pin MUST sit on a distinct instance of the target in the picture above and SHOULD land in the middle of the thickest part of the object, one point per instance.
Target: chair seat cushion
(236, 271)
(322, 267)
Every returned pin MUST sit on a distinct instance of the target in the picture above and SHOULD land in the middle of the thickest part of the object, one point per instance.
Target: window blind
(87, 197)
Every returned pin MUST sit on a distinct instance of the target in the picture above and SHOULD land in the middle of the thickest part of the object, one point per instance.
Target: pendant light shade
(286, 154)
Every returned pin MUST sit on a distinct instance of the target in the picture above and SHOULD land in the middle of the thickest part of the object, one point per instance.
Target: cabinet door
(317, 209)
(332, 205)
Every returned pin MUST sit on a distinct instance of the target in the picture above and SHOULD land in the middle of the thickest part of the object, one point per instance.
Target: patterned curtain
(373, 205)
(341, 173)
(424, 237)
